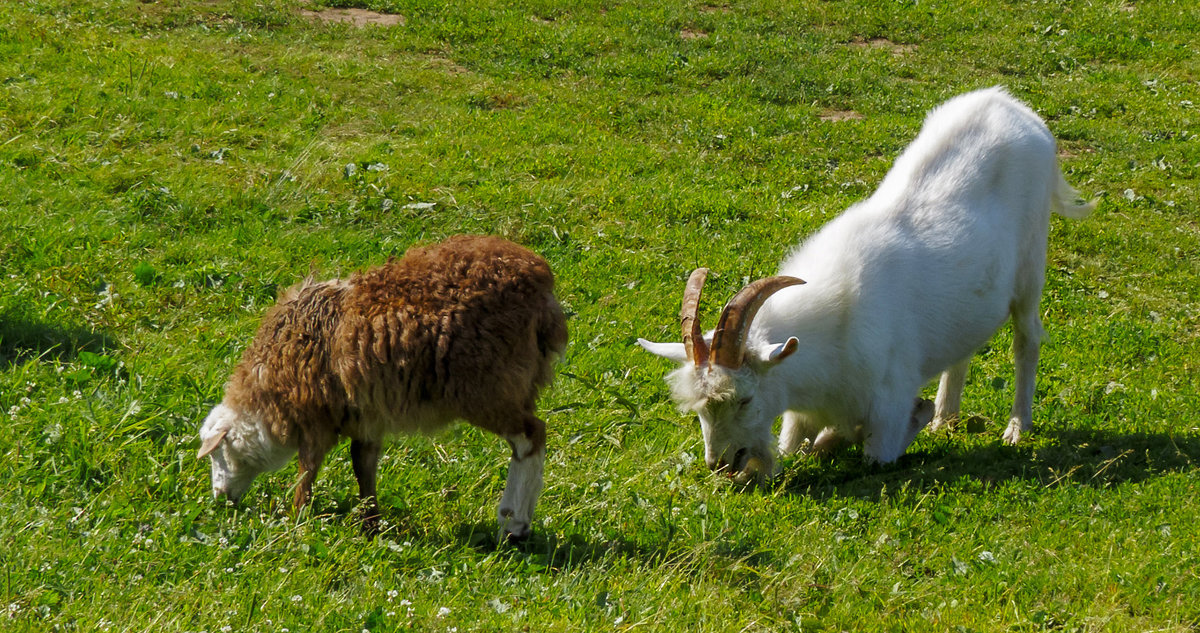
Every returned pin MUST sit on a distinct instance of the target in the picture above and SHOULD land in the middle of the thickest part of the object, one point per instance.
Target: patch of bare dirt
(1073, 149)
(446, 65)
(355, 17)
(692, 34)
(883, 43)
(839, 115)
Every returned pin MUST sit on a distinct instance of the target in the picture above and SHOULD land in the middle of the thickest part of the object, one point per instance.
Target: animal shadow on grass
(1074, 457)
(554, 551)
(543, 547)
(22, 337)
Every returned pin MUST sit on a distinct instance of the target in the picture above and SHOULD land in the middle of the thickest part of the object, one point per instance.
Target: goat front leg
(798, 432)
(893, 425)
(364, 455)
(524, 484)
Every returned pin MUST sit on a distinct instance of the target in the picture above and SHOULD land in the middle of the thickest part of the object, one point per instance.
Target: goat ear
(777, 353)
(669, 351)
(211, 444)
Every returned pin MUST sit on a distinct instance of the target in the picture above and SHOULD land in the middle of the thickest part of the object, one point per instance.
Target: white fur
(522, 488)
(900, 287)
(247, 450)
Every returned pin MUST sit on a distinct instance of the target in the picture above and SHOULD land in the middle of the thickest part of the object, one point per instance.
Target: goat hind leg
(1027, 341)
(949, 395)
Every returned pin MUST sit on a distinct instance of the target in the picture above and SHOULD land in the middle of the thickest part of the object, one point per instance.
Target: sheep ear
(777, 353)
(211, 444)
(669, 351)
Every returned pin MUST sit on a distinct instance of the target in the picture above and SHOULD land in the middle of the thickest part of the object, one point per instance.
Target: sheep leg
(524, 483)
(311, 456)
(364, 455)
(1027, 334)
(949, 395)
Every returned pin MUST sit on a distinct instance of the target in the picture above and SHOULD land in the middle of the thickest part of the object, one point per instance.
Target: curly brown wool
(468, 329)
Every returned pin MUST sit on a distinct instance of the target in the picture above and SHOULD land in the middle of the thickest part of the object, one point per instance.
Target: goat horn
(729, 339)
(689, 318)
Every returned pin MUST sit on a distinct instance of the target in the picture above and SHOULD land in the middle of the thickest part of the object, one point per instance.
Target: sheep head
(720, 378)
(240, 449)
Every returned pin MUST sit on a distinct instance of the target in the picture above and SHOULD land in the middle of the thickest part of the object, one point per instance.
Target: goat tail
(1066, 201)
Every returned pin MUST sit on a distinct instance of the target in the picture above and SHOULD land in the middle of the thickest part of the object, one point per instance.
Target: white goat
(900, 287)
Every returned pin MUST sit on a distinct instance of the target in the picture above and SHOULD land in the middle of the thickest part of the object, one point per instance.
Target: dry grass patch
(831, 114)
(884, 44)
(358, 18)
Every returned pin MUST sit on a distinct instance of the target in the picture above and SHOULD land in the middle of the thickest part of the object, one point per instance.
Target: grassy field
(166, 168)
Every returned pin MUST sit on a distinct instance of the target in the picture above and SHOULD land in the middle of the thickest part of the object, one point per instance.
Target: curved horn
(689, 318)
(729, 339)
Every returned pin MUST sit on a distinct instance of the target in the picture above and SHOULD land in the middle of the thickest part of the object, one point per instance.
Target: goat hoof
(755, 473)
(922, 411)
(514, 535)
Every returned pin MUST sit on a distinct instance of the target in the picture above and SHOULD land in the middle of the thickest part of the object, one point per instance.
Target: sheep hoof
(512, 530)
(371, 525)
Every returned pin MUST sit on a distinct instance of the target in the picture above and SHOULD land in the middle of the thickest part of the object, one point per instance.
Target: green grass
(167, 167)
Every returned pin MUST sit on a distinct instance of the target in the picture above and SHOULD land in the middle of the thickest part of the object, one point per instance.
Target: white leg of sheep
(524, 484)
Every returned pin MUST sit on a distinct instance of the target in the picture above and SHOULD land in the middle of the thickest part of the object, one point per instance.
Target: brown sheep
(465, 329)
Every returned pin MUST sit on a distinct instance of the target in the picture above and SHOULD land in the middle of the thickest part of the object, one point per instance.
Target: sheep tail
(551, 338)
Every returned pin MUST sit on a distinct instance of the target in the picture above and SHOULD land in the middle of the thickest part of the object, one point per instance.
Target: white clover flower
(297, 598)
(443, 612)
